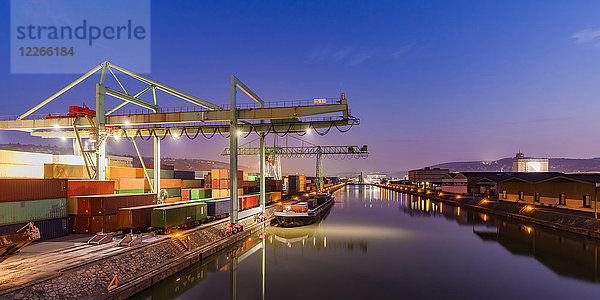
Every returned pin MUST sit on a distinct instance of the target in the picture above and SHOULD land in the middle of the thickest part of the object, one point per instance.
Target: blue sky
(431, 81)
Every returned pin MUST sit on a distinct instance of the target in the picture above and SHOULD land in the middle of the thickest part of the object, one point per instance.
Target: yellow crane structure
(153, 121)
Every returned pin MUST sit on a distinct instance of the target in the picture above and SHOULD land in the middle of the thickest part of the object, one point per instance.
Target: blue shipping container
(49, 229)
(184, 175)
(218, 207)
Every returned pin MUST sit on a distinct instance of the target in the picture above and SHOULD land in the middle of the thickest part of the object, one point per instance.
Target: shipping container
(139, 217)
(90, 187)
(119, 172)
(193, 194)
(16, 212)
(49, 229)
(131, 184)
(178, 215)
(184, 174)
(105, 223)
(65, 171)
(21, 171)
(299, 207)
(218, 207)
(10, 157)
(208, 181)
(110, 204)
(169, 183)
(20, 189)
(173, 192)
(79, 224)
(164, 174)
(192, 183)
(172, 200)
(133, 192)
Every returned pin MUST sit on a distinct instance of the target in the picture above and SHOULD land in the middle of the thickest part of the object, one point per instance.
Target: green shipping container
(192, 183)
(252, 178)
(178, 215)
(32, 210)
(164, 174)
(133, 192)
(200, 194)
(174, 192)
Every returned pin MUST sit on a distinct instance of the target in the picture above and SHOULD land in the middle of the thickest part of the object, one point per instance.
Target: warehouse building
(571, 191)
(454, 183)
(432, 176)
(484, 183)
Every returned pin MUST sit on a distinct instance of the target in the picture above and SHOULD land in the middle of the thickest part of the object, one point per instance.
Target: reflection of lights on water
(314, 241)
(458, 211)
(325, 242)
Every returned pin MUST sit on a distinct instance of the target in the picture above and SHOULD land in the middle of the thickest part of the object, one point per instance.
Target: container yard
(83, 221)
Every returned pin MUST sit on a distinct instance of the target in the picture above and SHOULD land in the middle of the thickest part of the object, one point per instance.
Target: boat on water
(309, 210)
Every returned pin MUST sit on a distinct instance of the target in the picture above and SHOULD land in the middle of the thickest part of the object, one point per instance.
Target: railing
(193, 108)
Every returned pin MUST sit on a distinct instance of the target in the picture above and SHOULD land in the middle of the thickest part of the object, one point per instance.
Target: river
(380, 244)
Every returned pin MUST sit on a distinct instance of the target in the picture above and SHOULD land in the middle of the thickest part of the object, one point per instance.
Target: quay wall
(139, 268)
(559, 219)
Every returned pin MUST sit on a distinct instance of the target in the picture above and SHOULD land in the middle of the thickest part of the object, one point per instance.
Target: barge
(310, 211)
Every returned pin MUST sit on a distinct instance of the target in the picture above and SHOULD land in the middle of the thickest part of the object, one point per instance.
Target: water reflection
(564, 254)
(381, 244)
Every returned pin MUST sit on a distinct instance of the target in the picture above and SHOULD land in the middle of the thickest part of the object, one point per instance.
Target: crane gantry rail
(312, 150)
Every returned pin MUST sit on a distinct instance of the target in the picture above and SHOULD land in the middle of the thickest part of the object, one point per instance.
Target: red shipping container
(84, 206)
(106, 223)
(21, 189)
(110, 204)
(224, 183)
(299, 207)
(90, 187)
(215, 184)
(185, 194)
(79, 224)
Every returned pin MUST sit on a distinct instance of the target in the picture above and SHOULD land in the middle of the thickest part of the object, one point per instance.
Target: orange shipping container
(120, 172)
(169, 183)
(123, 184)
(224, 183)
(172, 200)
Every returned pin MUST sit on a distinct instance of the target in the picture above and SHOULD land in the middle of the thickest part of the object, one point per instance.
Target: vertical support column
(233, 216)
(262, 173)
(319, 174)
(156, 165)
(101, 126)
(263, 272)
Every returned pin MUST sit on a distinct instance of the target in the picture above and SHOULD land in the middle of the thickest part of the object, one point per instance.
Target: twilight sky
(431, 81)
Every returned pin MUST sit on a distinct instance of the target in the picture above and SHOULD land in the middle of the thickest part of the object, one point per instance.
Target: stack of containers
(23, 164)
(78, 188)
(191, 188)
(251, 187)
(132, 186)
(195, 194)
(98, 213)
(272, 185)
(208, 181)
(41, 201)
(221, 182)
(296, 183)
(173, 188)
(55, 170)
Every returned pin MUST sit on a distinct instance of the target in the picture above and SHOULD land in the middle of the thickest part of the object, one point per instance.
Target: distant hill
(190, 164)
(505, 164)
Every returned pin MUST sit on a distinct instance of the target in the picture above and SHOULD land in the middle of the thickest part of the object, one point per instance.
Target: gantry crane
(310, 150)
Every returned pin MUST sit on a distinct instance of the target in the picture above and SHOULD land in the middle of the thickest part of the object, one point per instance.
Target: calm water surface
(382, 244)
